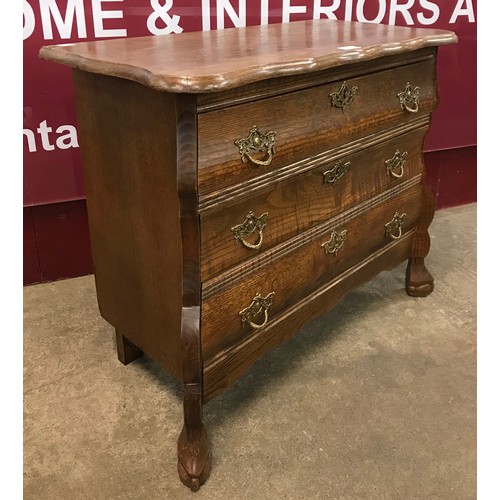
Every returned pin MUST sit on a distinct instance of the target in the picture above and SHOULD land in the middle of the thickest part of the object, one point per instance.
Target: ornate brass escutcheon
(394, 228)
(336, 242)
(333, 175)
(255, 143)
(259, 307)
(408, 99)
(344, 96)
(250, 225)
(395, 165)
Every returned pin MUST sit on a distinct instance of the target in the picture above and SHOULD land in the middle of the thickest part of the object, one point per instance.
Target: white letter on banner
(360, 14)
(30, 137)
(460, 10)
(264, 12)
(170, 23)
(327, 10)
(426, 4)
(288, 9)
(225, 6)
(348, 10)
(403, 9)
(205, 15)
(28, 20)
(69, 139)
(99, 15)
(44, 131)
(50, 11)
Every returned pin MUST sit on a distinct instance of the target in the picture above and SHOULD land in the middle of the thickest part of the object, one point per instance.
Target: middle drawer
(235, 233)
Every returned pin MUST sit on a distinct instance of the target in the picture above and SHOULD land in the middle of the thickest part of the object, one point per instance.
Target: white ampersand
(161, 12)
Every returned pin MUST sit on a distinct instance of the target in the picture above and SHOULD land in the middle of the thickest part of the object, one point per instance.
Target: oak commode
(240, 182)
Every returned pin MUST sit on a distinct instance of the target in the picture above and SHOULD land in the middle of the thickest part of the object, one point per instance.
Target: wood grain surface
(274, 86)
(300, 265)
(215, 60)
(305, 123)
(130, 157)
(297, 203)
(230, 364)
(194, 458)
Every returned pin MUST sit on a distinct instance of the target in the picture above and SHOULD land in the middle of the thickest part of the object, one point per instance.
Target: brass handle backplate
(258, 308)
(250, 225)
(336, 242)
(333, 175)
(408, 99)
(344, 96)
(395, 165)
(257, 143)
(394, 228)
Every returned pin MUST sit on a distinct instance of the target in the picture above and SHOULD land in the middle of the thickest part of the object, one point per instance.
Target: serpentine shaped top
(210, 61)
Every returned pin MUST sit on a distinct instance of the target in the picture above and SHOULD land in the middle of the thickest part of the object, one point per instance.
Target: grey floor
(375, 400)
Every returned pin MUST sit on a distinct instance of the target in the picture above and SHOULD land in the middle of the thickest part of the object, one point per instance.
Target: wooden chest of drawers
(240, 182)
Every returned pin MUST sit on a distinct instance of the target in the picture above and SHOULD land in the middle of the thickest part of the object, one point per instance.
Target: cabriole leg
(194, 460)
(419, 281)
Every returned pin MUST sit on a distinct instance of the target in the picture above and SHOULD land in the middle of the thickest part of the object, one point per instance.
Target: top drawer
(301, 124)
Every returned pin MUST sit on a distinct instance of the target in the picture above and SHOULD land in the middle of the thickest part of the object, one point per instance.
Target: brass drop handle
(395, 165)
(250, 225)
(408, 99)
(333, 175)
(343, 97)
(259, 307)
(394, 228)
(257, 142)
(336, 242)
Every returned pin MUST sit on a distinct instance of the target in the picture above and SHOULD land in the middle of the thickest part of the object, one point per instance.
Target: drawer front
(231, 305)
(231, 235)
(224, 369)
(295, 126)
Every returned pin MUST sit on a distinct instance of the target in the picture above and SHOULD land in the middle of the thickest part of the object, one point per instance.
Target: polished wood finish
(297, 267)
(263, 89)
(166, 184)
(217, 60)
(419, 281)
(229, 365)
(305, 123)
(194, 460)
(130, 155)
(298, 198)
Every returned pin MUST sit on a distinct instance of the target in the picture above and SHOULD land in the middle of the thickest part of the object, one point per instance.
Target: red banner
(52, 163)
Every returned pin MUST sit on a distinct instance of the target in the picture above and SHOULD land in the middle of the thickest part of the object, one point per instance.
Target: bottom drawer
(249, 297)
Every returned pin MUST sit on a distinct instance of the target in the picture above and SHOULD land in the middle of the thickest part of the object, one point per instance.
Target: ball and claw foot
(419, 281)
(194, 460)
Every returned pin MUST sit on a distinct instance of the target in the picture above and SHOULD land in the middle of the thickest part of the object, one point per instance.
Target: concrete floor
(375, 400)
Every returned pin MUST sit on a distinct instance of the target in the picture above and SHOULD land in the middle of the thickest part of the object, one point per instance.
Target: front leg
(419, 281)
(194, 459)
(194, 462)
